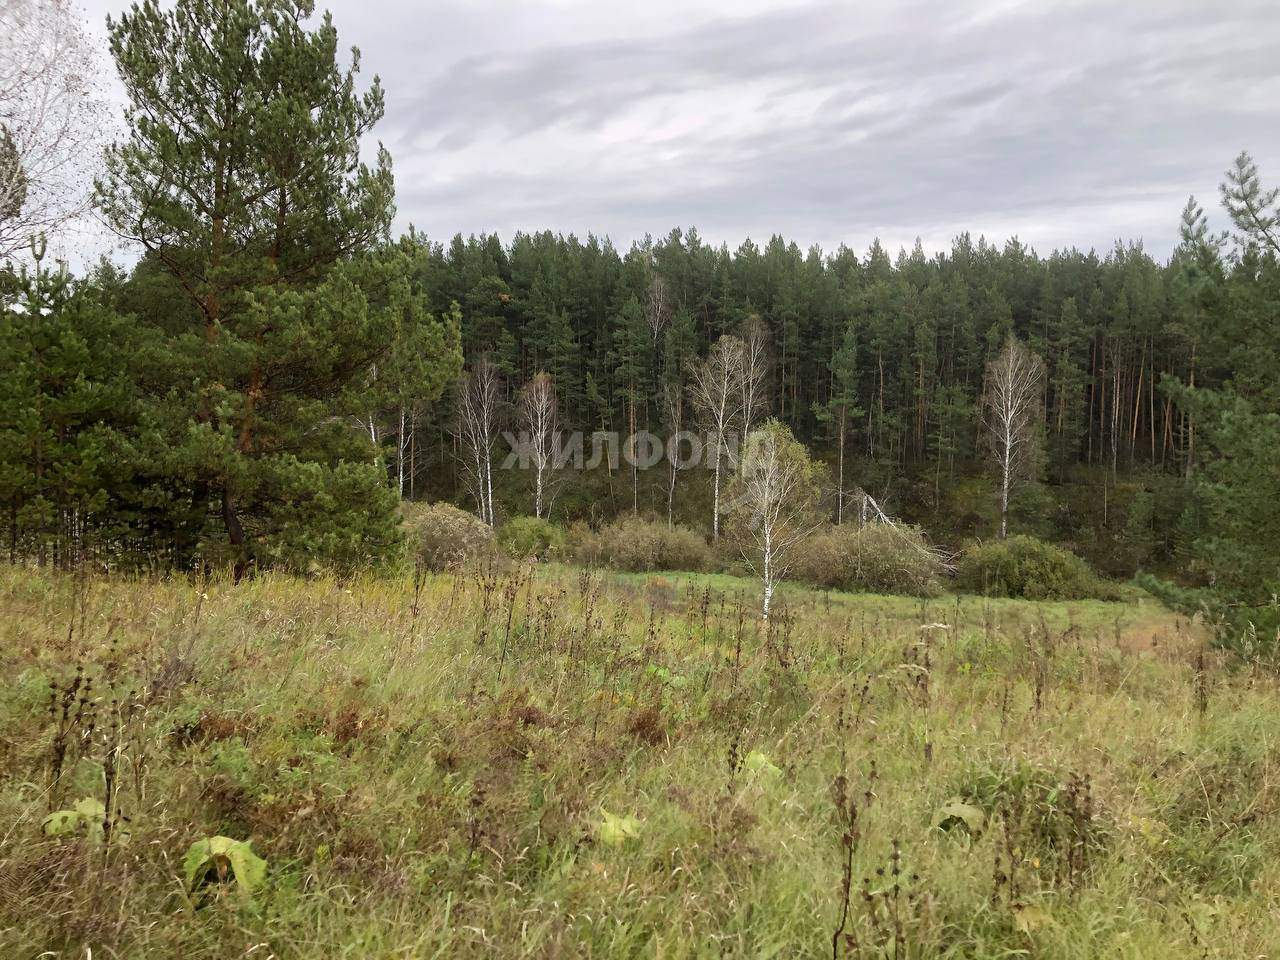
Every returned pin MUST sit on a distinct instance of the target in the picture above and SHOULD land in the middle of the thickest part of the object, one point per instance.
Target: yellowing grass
(427, 767)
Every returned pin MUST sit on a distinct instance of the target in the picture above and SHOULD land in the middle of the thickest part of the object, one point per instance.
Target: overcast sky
(1068, 123)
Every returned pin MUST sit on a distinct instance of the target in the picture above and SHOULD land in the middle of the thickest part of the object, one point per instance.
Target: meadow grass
(539, 761)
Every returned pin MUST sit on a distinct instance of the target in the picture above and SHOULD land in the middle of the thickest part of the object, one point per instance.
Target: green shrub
(1029, 568)
(820, 560)
(1048, 812)
(441, 536)
(525, 537)
(873, 557)
(639, 545)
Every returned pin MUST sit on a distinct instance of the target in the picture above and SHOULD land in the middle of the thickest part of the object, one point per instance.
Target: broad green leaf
(958, 813)
(757, 762)
(616, 831)
(87, 814)
(89, 807)
(226, 857)
(61, 822)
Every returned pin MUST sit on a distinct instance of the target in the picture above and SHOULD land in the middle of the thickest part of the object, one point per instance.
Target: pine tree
(485, 324)
(1236, 515)
(422, 358)
(630, 353)
(841, 410)
(240, 175)
(679, 351)
(67, 463)
(1066, 338)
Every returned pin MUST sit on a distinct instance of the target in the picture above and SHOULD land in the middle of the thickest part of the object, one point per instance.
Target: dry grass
(427, 768)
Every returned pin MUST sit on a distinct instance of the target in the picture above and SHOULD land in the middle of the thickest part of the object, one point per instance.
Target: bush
(441, 536)
(525, 537)
(638, 545)
(874, 557)
(1031, 569)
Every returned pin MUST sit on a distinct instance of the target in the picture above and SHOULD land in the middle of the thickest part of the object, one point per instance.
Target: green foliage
(441, 535)
(638, 545)
(423, 357)
(1217, 786)
(222, 860)
(1139, 525)
(72, 470)
(279, 318)
(874, 557)
(1235, 523)
(525, 537)
(1028, 568)
(254, 171)
(759, 764)
(956, 814)
(615, 830)
(85, 818)
(340, 518)
(1047, 813)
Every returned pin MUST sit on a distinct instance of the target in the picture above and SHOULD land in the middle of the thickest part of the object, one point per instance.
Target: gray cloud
(1069, 123)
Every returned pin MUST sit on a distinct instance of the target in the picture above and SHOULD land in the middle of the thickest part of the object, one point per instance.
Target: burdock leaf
(757, 762)
(615, 831)
(60, 822)
(224, 855)
(87, 813)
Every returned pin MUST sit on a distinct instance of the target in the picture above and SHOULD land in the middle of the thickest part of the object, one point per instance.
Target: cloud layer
(1069, 123)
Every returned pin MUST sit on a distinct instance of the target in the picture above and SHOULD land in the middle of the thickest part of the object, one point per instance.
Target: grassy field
(546, 763)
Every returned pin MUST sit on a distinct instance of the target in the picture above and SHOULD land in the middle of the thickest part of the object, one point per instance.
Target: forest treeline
(900, 341)
(276, 371)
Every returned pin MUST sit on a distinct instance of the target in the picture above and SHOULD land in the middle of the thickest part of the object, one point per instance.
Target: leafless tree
(673, 414)
(51, 119)
(539, 418)
(715, 389)
(776, 494)
(657, 308)
(1012, 398)
(755, 372)
(404, 445)
(479, 401)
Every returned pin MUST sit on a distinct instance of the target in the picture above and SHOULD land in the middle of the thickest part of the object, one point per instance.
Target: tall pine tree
(241, 175)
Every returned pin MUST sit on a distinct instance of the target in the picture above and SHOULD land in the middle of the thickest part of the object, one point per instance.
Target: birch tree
(479, 401)
(539, 418)
(657, 310)
(715, 390)
(1012, 420)
(673, 415)
(51, 119)
(775, 498)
